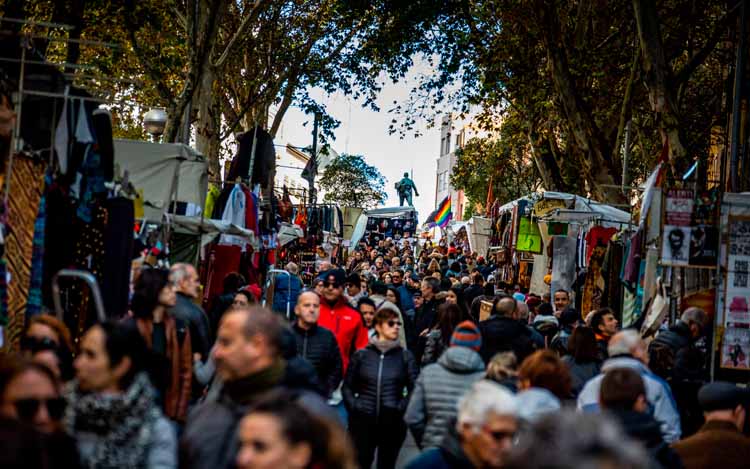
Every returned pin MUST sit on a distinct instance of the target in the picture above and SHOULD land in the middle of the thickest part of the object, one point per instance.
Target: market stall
(553, 240)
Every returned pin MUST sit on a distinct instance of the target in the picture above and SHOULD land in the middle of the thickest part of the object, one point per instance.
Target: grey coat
(434, 402)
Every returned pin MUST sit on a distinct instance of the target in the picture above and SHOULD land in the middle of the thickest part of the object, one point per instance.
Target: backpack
(661, 359)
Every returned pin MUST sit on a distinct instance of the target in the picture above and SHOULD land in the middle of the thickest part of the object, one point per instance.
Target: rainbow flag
(442, 215)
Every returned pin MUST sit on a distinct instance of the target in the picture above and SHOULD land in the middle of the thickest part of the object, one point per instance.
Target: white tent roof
(152, 167)
(585, 210)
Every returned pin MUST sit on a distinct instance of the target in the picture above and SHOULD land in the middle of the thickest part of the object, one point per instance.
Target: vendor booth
(552, 241)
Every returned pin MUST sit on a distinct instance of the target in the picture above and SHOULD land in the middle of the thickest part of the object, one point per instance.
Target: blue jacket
(281, 292)
(658, 394)
(407, 300)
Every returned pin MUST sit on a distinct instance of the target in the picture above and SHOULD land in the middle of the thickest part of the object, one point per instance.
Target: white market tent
(584, 210)
(163, 170)
(478, 231)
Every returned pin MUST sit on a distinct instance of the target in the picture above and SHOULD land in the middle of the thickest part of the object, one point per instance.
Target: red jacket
(346, 324)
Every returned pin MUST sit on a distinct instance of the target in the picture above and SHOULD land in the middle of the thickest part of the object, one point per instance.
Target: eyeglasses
(331, 284)
(394, 323)
(28, 408)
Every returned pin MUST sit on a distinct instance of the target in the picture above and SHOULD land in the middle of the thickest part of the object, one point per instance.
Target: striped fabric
(27, 183)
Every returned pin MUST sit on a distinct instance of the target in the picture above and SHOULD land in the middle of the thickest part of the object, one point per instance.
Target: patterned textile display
(27, 182)
(34, 302)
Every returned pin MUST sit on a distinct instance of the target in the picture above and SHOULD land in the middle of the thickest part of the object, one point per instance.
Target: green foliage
(350, 182)
(568, 85)
(500, 162)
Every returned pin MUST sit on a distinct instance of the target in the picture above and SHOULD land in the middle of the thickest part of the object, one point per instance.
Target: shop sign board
(545, 206)
(529, 237)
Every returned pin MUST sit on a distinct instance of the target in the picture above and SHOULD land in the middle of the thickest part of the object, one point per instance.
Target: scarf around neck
(123, 424)
(384, 345)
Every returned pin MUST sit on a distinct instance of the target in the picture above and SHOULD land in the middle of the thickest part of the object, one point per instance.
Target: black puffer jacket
(318, 346)
(376, 379)
(501, 334)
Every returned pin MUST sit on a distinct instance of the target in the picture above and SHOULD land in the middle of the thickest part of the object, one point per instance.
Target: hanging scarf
(123, 423)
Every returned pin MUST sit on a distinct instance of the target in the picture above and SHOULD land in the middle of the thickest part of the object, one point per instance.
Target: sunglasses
(28, 408)
(331, 284)
(35, 344)
(393, 323)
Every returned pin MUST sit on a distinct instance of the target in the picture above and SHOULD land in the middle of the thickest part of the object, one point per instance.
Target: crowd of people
(389, 348)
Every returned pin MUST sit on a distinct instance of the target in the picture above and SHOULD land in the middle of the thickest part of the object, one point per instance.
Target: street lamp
(154, 122)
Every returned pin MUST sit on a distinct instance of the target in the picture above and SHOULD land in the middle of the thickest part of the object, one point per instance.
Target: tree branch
(716, 34)
(251, 15)
(626, 103)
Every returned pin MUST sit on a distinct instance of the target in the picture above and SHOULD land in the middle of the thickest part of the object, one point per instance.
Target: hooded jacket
(382, 303)
(433, 405)
(535, 403)
(376, 379)
(658, 395)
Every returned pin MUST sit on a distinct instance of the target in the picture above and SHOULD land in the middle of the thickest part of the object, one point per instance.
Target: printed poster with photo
(704, 246)
(676, 233)
(675, 245)
(735, 348)
(737, 299)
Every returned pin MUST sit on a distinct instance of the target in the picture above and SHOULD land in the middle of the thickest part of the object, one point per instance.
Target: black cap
(336, 276)
(721, 395)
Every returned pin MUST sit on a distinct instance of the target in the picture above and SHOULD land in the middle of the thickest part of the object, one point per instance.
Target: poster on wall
(735, 348)
(690, 236)
(675, 245)
(736, 341)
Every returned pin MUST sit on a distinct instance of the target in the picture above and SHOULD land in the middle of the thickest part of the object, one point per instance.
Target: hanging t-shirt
(234, 213)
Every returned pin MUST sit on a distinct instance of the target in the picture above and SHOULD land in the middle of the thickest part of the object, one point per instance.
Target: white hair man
(186, 280)
(626, 349)
(483, 436)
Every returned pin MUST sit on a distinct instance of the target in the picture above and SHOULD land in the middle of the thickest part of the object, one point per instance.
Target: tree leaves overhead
(574, 72)
(350, 182)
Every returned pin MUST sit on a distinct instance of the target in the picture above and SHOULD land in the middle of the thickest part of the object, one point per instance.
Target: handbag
(657, 311)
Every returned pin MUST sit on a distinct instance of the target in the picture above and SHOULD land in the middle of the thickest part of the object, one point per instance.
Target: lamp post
(154, 122)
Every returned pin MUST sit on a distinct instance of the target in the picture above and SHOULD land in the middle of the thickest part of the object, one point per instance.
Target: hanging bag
(657, 311)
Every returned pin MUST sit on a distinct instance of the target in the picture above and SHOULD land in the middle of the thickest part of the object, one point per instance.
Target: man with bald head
(317, 344)
(503, 332)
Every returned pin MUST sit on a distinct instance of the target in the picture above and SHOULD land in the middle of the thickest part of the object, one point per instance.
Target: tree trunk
(587, 135)
(544, 159)
(207, 127)
(658, 78)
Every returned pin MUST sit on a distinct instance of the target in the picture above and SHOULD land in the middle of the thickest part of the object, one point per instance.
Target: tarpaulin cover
(152, 166)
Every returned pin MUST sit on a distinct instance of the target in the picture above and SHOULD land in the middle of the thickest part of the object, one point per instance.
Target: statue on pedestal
(404, 188)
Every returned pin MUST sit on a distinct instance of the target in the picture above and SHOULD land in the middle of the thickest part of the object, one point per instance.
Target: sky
(365, 132)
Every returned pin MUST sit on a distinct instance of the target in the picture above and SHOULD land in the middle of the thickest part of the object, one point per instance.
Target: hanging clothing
(251, 210)
(27, 184)
(211, 198)
(102, 124)
(597, 236)
(235, 213)
(265, 157)
(62, 137)
(118, 254)
(34, 302)
(633, 259)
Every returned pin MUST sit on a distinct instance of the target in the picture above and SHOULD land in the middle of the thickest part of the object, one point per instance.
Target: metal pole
(625, 156)
(739, 71)
(314, 156)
